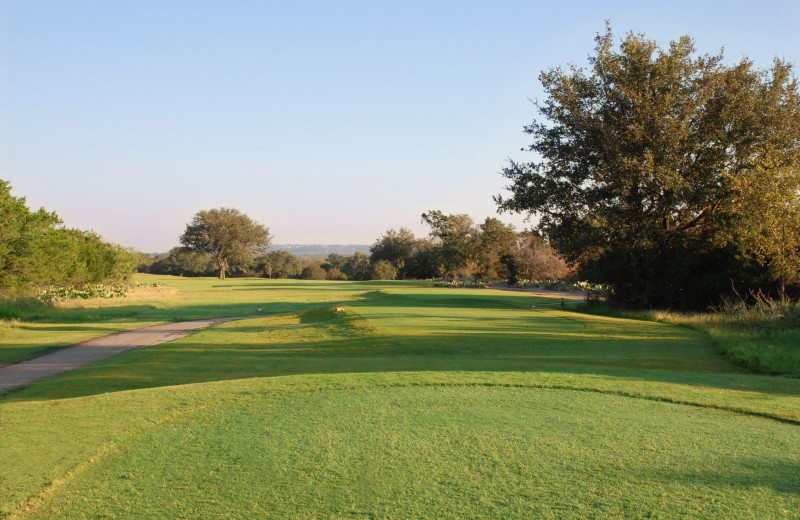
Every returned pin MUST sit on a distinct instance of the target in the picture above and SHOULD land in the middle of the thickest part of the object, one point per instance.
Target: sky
(329, 122)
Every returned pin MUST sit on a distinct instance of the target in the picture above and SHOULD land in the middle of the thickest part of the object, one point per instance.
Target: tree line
(224, 242)
(37, 251)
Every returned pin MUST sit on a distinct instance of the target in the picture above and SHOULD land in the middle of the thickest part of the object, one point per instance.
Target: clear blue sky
(329, 122)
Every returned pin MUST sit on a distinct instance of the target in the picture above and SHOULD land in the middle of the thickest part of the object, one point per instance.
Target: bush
(383, 270)
(763, 314)
(23, 308)
(593, 290)
(61, 294)
(335, 274)
(459, 283)
(313, 272)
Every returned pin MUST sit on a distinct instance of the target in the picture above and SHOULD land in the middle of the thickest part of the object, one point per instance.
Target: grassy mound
(448, 445)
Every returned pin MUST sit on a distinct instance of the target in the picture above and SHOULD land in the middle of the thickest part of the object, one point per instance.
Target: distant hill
(321, 250)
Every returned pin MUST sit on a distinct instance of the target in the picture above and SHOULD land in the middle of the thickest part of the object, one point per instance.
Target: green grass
(416, 402)
(32, 329)
(402, 327)
(763, 337)
(442, 452)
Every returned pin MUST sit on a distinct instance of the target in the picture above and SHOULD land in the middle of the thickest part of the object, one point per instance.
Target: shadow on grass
(781, 477)
(189, 361)
(349, 342)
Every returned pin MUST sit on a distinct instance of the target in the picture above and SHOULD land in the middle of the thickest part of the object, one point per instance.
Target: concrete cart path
(75, 356)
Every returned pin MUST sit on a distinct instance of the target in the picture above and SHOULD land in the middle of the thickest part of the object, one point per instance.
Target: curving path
(75, 356)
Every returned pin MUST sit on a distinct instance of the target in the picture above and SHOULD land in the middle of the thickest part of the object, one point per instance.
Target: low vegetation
(562, 285)
(60, 294)
(763, 336)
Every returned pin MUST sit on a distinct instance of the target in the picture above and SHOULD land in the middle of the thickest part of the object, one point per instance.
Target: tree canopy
(228, 235)
(279, 264)
(37, 251)
(652, 161)
(456, 241)
(394, 247)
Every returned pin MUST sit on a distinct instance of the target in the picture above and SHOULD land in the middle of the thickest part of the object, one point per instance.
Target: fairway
(414, 402)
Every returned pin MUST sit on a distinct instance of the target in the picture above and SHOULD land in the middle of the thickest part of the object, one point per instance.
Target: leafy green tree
(35, 250)
(424, 263)
(228, 235)
(97, 261)
(456, 242)
(769, 221)
(384, 270)
(395, 247)
(640, 156)
(26, 245)
(358, 267)
(495, 241)
(181, 261)
(279, 264)
(334, 273)
(313, 271)
(334, 261)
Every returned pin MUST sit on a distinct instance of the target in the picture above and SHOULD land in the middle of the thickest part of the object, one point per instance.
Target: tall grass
(25, 308)
(30, 308)
(763, 336)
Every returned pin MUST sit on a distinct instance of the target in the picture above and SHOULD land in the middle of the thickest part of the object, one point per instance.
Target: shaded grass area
(396, 445)
(766, 352)
(403, 328)
(764, 337)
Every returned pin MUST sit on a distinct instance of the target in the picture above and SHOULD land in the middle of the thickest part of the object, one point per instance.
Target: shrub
(383, 270)
(335, 274)
(593, 290)
(60, 294)
(313, 272)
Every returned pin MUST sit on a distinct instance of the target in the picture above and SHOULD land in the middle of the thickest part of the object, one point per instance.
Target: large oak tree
(228, 235)
(651, 162)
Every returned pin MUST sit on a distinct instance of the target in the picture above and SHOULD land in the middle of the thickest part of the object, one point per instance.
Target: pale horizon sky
(328, 122)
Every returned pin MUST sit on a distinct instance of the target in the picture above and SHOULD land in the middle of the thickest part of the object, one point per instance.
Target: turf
(443, 452)
(312, 413)
(32, 332)
(763, 337)
(401, 328)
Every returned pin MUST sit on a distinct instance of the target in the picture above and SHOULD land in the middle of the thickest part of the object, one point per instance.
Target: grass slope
(443, 452)
(35, 329)
(763, 337)
(415, 402)
(401, 328)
